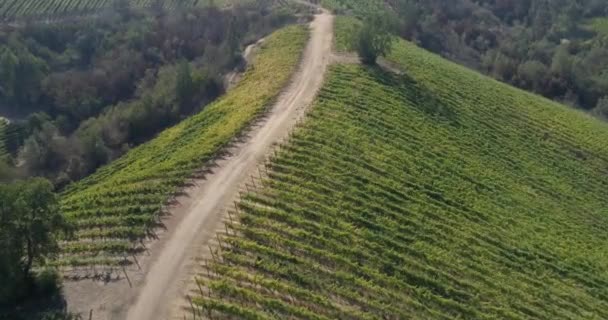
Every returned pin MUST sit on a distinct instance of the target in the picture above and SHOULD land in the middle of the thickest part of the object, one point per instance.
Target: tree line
(556, 48)
(545, 46)
(81, 94)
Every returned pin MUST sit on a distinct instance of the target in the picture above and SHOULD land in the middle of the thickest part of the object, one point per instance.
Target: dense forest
(556, 48)
(80, 94)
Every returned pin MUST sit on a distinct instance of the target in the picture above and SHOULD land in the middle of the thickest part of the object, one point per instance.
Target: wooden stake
(136, 262)
(191, 306)
(200, 289)
(127, 276)
(217, 235)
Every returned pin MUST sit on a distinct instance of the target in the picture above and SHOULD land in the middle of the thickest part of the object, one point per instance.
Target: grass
(437, 194)
(122, 202)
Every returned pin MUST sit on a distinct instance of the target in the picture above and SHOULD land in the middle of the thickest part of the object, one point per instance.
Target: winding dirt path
(172, 269)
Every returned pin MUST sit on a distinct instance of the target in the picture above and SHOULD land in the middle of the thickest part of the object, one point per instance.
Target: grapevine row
(124, 202)
(438, 194)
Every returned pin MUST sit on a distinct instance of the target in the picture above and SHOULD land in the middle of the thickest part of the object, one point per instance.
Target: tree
(601, 109)
(20, 74)
(408, 17)
(184, 85)
(374, 38)
(29, 220)
(533, 74)
(8, 73)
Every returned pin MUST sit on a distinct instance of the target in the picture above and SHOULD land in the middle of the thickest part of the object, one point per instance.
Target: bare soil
(233, 78)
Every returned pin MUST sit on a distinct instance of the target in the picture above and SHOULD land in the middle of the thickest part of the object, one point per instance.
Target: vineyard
(437, 194)
(122, 203)
(12, 9)
(3, 137)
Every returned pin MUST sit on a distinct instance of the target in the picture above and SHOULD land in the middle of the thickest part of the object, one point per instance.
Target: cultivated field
(11, 9)
(50, 9)
(3, 137)
(356, 7)
(437, 194)
(122, 203)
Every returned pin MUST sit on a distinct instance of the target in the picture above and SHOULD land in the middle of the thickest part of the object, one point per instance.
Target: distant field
(354, 6)
(439, 194)
(121, 202)
(3, 137)
(12, 9)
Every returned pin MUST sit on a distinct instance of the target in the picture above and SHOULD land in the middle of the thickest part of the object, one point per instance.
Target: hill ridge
(437, 194)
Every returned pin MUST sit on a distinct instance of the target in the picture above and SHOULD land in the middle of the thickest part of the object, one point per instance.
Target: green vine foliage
(121, 203)
(436, 194)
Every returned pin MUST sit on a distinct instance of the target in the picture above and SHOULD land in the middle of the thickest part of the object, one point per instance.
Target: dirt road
(171, 270)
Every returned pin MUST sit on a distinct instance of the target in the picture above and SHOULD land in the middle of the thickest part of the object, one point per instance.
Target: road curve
(171, 270)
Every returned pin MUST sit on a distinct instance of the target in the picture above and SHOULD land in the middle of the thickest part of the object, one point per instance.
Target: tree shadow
(416, 93)
(41, 305)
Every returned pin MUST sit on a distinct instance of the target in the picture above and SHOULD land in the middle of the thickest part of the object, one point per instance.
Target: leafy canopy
(375, 38)
(29, 219)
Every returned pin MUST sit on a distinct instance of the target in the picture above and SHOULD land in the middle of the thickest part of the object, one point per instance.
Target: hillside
(555, 48)
(436, 194)
(123, 202)
(3, 138)
(12, 9)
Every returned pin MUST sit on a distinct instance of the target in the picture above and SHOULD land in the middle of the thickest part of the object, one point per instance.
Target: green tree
(29, 71)
(375, 38)
(533, 74)
(29, 220)
(562, 62)
(8, 73)
(601, 109)
(184, 85)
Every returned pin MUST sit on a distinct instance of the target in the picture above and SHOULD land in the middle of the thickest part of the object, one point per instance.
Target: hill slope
(437, 194)
(52, 9)
(3, 138)
(11, 9)
(122, 202)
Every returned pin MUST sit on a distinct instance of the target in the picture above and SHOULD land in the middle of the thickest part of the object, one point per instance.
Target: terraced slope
(439, 194)
(3, 137)
(7, 134)
(10, 9)
(122, 202)
(17, 9)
